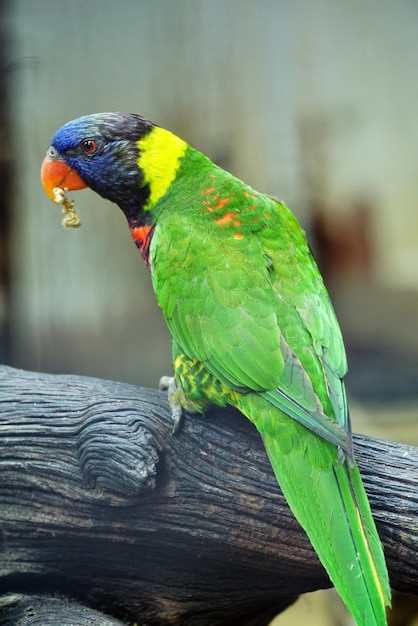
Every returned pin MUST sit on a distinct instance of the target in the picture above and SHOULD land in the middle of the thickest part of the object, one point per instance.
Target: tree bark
(101, 503)
(23, 610)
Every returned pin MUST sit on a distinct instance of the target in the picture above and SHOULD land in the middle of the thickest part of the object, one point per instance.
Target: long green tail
(330, 503)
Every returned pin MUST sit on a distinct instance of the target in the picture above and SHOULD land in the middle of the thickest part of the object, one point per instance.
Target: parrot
(251, 323)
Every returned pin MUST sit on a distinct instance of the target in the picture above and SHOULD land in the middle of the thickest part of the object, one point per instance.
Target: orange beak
(56, 173)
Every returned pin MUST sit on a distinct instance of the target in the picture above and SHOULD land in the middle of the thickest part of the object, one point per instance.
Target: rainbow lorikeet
(251, 322)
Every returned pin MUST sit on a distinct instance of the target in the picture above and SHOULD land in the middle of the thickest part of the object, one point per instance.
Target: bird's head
(100, 151)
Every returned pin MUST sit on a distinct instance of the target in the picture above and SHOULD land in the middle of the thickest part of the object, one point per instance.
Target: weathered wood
(100, 502)
(22, 610)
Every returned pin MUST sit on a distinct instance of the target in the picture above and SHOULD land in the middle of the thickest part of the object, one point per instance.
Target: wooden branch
(100, 502)
(25, 610)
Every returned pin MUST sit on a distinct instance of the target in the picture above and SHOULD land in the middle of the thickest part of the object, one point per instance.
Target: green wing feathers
(329, 501)
(331, 506)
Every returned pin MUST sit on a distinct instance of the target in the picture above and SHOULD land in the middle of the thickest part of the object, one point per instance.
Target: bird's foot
(177, 400)
(168, 384)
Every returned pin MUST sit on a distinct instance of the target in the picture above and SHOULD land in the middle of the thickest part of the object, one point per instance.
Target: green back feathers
(238, 307)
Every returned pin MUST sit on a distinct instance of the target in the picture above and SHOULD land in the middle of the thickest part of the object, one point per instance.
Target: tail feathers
(332, 507)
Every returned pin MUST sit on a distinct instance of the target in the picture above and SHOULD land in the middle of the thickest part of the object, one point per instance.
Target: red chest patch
(142, 236)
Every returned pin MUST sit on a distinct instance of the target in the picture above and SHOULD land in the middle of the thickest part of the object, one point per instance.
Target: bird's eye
(89, 146)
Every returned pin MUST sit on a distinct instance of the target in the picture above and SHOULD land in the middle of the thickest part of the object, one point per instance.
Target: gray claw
(167, 383)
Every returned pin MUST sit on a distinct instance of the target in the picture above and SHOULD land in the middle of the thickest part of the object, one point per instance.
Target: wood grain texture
(24, 610)
(101, 503)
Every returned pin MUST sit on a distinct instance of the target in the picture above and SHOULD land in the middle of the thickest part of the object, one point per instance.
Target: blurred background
(314, 102)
